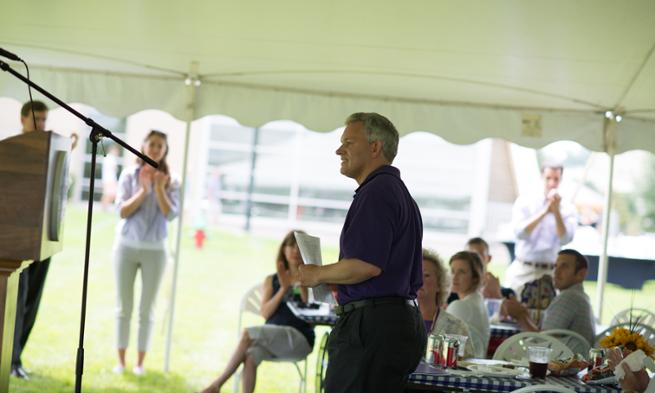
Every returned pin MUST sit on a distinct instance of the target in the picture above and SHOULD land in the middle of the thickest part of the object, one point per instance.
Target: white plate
(483, 362)
(525, 375)
(494, 371)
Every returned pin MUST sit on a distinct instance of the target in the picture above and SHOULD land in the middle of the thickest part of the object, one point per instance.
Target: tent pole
(251, 180)
(609, 132)
(191, 113)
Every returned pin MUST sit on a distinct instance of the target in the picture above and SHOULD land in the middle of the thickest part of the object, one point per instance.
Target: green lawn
(211, 282)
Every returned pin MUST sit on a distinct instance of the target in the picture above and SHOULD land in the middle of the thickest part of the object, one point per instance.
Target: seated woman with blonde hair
(432, 299)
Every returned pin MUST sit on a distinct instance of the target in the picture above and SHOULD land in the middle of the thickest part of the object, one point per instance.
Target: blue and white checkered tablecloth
(427, 376)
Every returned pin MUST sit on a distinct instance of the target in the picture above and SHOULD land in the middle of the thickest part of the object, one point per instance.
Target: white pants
(127, 260)
(519, 273)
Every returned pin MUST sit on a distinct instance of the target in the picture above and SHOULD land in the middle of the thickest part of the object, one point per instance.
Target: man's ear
(376, 148)
(581, 274)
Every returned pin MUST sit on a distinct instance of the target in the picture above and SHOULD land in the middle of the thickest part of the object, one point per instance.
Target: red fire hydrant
(200, 238)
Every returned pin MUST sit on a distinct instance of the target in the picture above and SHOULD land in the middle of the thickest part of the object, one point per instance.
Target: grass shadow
(150, 382)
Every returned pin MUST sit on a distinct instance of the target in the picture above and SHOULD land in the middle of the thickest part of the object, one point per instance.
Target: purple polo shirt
(383, 227)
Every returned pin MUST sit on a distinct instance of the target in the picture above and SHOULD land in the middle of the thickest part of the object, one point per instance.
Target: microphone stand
(97, 133)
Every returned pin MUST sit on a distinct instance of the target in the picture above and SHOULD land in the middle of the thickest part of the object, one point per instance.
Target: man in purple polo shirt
(379, 337)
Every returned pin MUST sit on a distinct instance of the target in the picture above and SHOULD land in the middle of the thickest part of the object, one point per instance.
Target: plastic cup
(538, 358)
(493, 306)
(433, 350)
(462, 344)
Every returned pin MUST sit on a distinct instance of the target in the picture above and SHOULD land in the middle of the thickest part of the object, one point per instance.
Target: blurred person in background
(542, 223)
(147, 199)
(109, 176)
(33, 117)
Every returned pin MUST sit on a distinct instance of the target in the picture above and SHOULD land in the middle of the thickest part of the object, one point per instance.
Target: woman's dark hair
(163, 165)
(475, 264)
(289, 240)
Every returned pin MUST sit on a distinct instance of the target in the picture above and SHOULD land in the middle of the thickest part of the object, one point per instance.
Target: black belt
(346, 308)
(539, 265)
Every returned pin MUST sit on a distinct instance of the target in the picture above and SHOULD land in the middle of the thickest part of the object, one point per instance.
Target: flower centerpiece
(628, 338)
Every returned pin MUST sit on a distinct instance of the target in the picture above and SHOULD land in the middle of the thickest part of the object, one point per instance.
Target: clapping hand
(491, 289)
(554, 200)
(161, 179)
(512, 308)
(283, 276)
(145, 179)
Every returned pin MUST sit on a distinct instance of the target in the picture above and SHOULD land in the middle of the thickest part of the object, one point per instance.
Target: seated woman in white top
(467, 270)
(432, 297)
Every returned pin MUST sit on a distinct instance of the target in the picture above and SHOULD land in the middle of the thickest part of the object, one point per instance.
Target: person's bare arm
(491, 288)
(131, 205)
(346, 271)
(520, 313)
(164, 203)
(554, 208)
(535, 220)
(134, 202)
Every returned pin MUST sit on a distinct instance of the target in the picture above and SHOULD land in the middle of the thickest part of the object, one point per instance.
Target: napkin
(635, 361)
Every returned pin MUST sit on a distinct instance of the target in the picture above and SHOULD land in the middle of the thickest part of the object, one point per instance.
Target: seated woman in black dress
(284, 336)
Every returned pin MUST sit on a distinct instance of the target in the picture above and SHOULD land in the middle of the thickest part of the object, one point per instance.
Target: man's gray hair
(378, 128)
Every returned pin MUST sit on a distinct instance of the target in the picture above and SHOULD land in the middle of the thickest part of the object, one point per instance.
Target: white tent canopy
(464, 71)
(528, 72)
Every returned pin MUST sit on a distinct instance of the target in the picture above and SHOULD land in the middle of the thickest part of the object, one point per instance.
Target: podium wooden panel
(33, 174)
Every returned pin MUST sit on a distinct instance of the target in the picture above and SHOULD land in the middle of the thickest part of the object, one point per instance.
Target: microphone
(9, 55)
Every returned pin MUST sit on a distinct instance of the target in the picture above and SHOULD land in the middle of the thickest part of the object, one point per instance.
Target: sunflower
(629, 339)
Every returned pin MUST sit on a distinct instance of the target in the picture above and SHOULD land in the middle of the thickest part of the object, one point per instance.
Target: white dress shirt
(543, 244)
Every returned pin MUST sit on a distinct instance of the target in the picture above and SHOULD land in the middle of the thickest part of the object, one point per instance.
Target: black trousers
(30, 288)
(374, 349)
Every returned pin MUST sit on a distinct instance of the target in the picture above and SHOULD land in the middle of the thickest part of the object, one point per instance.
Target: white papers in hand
(310, 250)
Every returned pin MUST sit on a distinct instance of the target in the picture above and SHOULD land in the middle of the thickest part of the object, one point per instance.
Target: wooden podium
(33, 185)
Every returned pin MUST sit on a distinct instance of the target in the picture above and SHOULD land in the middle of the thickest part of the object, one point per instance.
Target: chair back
(250, 302)
(544, 388)
(516, 346)
(574, 341)
(635, 315)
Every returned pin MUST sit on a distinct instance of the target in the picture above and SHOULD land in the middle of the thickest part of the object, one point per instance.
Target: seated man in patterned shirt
(571, 308)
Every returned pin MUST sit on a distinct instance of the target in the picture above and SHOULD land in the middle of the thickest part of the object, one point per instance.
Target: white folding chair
(516, 346)
(251, 302)
(635, 315)
(543, 388)
(645, 330)
(575, 342)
